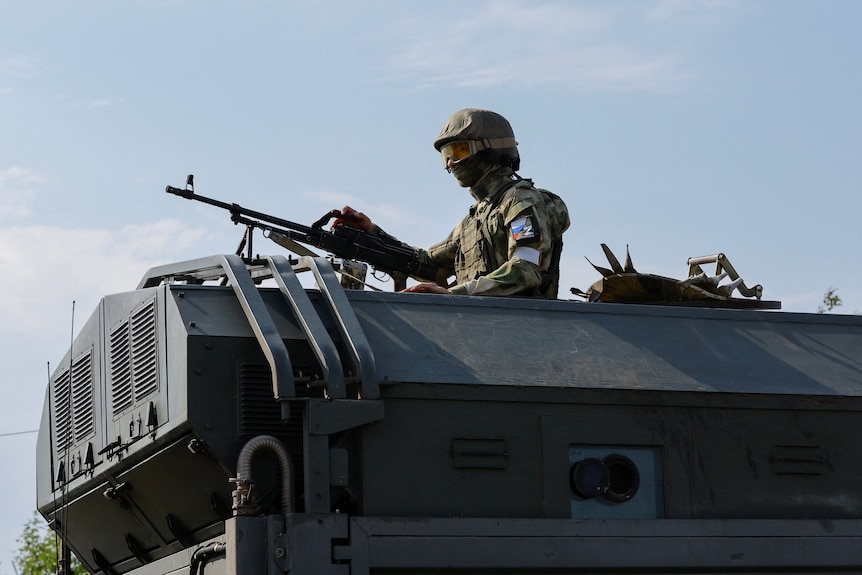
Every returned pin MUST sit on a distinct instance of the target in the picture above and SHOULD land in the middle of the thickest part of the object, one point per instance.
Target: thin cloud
(551, 44)
(329, 198)
(17, 64)
(687, 10)
(20, 174)
(17, 187)
(81, 264)
(381, 212)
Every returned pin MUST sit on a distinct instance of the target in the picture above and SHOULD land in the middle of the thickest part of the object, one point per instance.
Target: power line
(18, 433)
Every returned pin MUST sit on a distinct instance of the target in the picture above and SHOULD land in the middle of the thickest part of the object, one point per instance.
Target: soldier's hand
(352, 219)
(427, 287)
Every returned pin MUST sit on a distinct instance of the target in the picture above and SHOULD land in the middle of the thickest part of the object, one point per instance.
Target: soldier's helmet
(472, 130)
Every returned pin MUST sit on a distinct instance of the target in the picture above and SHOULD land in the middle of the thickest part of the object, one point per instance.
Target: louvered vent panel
(259, 413)
(73, 402)
(82, 396)
(143, 351)
(62, 411)
(121, 368)
(134, 361)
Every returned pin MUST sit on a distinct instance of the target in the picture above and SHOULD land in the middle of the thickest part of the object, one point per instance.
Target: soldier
(510, 241)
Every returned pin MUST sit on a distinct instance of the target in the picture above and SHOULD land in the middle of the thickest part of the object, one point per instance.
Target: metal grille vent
(121, 368)
(73, 402)
(258, 411)
(143, 350)
(133, 348)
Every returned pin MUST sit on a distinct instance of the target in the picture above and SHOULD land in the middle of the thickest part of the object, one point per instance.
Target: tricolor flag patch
(522, 228)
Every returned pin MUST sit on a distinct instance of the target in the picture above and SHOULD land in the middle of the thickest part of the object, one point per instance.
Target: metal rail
(242, 276)
(321, 344)
(348, 325)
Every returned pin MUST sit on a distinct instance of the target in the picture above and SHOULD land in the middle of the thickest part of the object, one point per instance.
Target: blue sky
(678, 128)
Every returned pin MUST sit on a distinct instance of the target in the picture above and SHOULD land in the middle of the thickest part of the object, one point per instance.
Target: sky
(678, 128)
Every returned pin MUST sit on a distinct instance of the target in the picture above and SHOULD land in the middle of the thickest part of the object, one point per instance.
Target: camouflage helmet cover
(485, 126)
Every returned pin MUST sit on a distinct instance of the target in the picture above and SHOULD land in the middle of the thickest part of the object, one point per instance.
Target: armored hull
(420, 433)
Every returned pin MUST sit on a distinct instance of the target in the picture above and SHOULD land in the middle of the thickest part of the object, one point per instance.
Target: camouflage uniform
(481, 251)
(510, 242)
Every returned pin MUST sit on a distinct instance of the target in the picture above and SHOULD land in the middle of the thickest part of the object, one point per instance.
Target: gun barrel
(383, 254)
(237, 210)
(187, 194)
(191, 195)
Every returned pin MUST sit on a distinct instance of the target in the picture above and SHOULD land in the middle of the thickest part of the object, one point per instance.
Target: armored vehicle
(225, 417)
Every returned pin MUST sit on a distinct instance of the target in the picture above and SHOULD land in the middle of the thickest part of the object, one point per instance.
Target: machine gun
(382, 252)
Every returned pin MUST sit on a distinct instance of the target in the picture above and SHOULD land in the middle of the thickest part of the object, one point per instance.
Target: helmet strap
(496, 143)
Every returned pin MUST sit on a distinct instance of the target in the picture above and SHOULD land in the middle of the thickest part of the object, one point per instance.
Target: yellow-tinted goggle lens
(456, 151)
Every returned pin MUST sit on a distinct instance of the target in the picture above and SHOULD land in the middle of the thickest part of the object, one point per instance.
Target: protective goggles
(461, 149)
(457, 151)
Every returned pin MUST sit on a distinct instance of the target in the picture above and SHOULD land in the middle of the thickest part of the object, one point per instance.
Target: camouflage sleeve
(516, 276)
(434, 256)
(443, 254)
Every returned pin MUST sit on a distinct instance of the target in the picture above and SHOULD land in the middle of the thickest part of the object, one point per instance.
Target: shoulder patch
(522, 228)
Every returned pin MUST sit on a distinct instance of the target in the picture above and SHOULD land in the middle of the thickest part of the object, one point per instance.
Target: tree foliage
(831, 300)
(40, 549)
